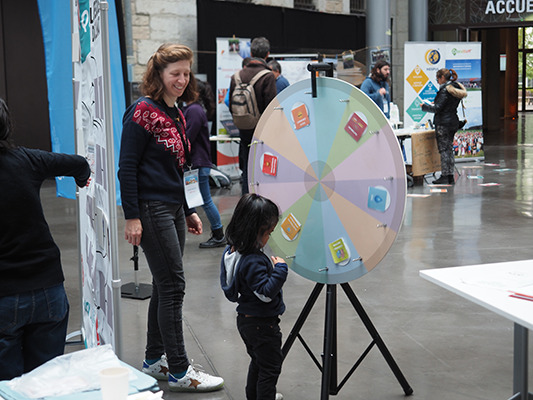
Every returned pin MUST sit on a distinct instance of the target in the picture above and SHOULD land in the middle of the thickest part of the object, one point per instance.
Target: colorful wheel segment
(334, 166)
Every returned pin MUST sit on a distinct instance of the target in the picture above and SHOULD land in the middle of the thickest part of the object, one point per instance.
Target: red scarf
(163, 128)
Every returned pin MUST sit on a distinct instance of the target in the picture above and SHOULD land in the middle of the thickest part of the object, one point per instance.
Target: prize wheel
(334, 167)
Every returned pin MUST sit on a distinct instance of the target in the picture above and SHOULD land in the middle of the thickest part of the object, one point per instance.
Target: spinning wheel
(334, 166)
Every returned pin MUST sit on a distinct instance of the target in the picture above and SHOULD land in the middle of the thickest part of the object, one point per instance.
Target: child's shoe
(279, 396)
(157, 370)
(195, 381)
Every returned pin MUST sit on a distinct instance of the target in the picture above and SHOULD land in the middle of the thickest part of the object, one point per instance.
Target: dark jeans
(262, 338)
(33, 329)
(244, 150)
(163, 240)
(444, 137)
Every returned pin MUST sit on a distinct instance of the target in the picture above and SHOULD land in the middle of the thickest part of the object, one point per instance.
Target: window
(357, 6)
(304, 4)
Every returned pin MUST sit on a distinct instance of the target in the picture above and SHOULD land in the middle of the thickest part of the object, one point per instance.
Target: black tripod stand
(329, 364)
(136, 290)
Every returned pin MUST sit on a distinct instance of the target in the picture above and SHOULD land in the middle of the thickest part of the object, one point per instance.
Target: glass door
(525, 69)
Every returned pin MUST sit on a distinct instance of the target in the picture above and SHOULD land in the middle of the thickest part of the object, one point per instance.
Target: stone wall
(154, 22)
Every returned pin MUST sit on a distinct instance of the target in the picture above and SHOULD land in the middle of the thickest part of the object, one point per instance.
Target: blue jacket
(371, 88)
(281, 83)
(253, 282)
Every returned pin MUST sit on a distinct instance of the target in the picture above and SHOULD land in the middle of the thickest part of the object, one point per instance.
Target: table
(64, 372)
(424, 151)
(492, 286)
(224, 138)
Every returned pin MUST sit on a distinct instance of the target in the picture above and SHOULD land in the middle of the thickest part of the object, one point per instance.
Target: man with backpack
(251, 90)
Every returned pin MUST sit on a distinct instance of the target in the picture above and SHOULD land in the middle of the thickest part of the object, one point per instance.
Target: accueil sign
(508, 7)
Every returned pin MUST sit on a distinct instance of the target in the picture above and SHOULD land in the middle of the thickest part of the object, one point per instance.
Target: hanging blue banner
(56, 27)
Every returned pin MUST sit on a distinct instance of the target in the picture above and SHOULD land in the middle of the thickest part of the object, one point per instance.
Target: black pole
(329, 370)
(314, 68)
(136, 290)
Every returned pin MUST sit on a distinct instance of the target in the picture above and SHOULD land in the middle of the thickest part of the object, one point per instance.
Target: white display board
(98, 326)
(294, 66)
(422, 61)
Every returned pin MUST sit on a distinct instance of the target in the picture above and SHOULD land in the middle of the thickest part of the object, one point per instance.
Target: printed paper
(290, 227)
(356, 126)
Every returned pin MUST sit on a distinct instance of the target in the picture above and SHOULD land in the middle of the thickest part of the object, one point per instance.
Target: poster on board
(94, 222)
(422, 61)
(230, 53)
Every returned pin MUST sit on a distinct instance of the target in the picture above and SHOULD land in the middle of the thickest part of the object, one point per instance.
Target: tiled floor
(447, 347)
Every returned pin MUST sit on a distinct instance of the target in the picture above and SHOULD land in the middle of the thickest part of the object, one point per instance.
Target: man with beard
(376, 86)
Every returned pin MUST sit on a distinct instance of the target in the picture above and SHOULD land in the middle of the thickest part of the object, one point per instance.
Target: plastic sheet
(67, 374)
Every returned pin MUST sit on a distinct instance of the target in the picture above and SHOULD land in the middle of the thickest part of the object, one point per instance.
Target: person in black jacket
(446, 121)
(254, 281)
(33, 303)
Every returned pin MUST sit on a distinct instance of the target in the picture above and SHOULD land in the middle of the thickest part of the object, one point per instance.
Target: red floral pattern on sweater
(163, 128)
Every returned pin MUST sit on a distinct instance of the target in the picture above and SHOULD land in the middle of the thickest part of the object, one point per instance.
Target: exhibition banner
(57, 37)
(94, 207)
(75, 81)
(230, 53)
(422, 61)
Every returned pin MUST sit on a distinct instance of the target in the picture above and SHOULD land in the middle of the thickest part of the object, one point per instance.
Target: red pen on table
(522, 296)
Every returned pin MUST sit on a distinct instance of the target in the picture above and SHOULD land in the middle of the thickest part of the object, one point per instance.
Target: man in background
(281, 81)
(265, 91)
(376, 86)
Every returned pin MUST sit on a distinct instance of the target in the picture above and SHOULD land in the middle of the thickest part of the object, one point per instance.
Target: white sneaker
(158, 370)
(279, 396)
(195, 381)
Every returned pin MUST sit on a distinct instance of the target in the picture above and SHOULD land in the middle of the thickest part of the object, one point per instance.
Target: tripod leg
(301, 319)
(375, 335)
(329, 370)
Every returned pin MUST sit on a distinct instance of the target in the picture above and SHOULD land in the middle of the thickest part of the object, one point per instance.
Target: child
(249, 278)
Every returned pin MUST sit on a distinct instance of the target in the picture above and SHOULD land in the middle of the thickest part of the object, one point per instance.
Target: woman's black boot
(443, 180)
(216, 240)
(451, 180)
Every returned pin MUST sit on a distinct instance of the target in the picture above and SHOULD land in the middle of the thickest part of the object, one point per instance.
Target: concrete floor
(446, 347)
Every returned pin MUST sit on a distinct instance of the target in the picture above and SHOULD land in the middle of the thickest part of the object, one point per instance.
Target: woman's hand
(133, 231)
(194, 224)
